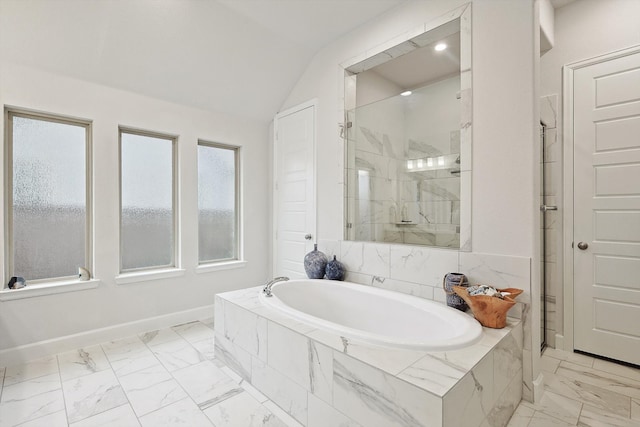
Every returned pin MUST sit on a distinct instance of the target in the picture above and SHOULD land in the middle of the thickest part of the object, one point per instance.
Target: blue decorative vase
(334, 270)
(315, 263)
(453, 300)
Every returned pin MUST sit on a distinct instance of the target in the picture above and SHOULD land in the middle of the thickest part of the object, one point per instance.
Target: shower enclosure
(403, 165)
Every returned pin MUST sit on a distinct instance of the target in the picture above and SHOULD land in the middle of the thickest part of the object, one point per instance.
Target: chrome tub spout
(267, 288)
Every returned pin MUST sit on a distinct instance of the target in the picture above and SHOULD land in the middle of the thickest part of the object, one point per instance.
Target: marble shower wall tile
(233, 356)
(322, 415)
(465, 211)
(552, 147)
(433, 373)
(367, 258)
(390, 360)
(281, 390)
(422, 291)
(246, 329)
(288, 353)
(330, 248)
(549, 110)
(421, 265)
(507, 403)
(376, 399)
(472, 399)
(507, 359)
(284, 320)
(527, 376)
(497, 270)
(320, 371)
(377, 165)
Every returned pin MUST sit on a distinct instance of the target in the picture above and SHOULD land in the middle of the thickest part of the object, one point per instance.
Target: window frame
(9, 114)
(238, 250)
(175, 252)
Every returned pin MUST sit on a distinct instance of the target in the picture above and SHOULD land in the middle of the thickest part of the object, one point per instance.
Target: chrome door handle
(308, 237)
(545, 208)
(582, 246)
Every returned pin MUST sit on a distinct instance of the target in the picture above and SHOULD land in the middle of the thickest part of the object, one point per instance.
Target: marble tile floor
(161, 378)
(582, 391)
(171, 377)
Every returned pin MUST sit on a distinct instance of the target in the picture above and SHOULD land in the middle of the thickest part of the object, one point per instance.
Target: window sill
(225, 265)
(50, 288)
(143, 276)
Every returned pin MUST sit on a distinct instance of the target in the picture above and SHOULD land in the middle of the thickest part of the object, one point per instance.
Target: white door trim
(311, 103)
(565, 340)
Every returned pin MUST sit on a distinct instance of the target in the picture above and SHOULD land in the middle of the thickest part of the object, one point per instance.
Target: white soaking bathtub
(374, 316)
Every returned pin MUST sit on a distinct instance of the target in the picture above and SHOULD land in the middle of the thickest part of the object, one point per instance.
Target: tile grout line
(173, 378)
(119, 384)
(64, 398)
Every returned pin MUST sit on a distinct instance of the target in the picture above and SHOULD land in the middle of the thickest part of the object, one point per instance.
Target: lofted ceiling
(423, 66)
(234, 56)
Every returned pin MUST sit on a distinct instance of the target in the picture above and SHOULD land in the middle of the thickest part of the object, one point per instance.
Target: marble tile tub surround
(418, 270)
(316, 376)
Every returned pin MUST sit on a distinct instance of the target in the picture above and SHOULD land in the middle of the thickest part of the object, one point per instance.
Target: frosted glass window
(48, 188)
(217, 203)
(147, 223)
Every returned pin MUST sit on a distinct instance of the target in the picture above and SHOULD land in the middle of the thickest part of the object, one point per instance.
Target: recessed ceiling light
(440, 47)
(406, 93)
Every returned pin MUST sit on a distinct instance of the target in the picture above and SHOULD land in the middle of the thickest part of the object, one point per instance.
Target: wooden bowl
(489, 311)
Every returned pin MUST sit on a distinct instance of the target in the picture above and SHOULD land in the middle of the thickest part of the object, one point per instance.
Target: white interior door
(294, 192)
(607, 208)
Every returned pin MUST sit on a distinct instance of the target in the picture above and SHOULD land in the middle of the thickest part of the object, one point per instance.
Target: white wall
(36, 319)
(588, 28)
(373, 87)
(503, 182)
(505, 168)
(583, 29)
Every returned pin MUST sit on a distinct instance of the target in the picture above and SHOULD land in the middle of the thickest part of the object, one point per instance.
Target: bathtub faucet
(267, 287)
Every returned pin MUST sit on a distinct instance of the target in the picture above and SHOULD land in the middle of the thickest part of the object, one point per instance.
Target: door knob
(582, 246)
(308, 237)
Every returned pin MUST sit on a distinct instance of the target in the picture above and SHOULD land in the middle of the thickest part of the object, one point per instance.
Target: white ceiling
(422, 66)
(235, 56)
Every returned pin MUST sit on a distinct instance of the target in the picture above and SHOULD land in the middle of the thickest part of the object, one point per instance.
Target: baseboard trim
(560, 342)
(538, 388)
(28, 352)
